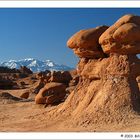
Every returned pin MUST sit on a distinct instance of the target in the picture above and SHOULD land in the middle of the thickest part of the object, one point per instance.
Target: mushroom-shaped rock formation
(107, 89)
(123, 37)
(85, 43)
(51, 93)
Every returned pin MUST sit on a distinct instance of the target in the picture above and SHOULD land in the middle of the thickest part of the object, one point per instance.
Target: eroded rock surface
(51, 93)
(123, 36)
(107, 89)
(85, 43)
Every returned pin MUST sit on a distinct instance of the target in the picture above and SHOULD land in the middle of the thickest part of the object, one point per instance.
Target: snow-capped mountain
(35, 65)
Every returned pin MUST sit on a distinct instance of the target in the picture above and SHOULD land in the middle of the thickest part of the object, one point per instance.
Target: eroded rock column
(108, 68)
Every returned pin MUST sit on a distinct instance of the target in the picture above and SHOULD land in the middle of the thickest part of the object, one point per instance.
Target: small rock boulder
(60, 77)
(44, 74)
(51, 93)
(38, 86)
(44, 77)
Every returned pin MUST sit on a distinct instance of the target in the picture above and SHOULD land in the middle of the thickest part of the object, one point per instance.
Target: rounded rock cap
(85, 42)
(123, 37)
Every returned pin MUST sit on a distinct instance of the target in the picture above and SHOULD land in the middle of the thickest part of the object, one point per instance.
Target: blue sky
(43, 33)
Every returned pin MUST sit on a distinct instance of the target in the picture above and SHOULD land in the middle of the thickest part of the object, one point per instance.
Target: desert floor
(26, 116)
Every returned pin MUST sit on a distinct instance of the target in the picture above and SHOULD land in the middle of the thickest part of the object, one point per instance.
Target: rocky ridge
(35, 65)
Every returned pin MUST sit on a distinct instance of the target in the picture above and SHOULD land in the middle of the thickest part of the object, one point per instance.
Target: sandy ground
(28, 117)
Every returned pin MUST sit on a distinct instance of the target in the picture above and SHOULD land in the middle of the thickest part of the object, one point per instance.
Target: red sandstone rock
(123, 36)
(85, 42)
(51, 93)
(107, 89)
(60, 77)
(25, 95)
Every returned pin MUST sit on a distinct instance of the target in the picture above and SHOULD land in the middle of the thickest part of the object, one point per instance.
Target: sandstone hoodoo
(107, 89)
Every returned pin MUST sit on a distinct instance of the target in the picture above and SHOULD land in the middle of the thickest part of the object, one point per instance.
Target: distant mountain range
(35, 65)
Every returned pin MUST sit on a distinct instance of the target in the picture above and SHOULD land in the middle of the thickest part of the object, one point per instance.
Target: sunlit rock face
(123, 37)
(85, 43)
